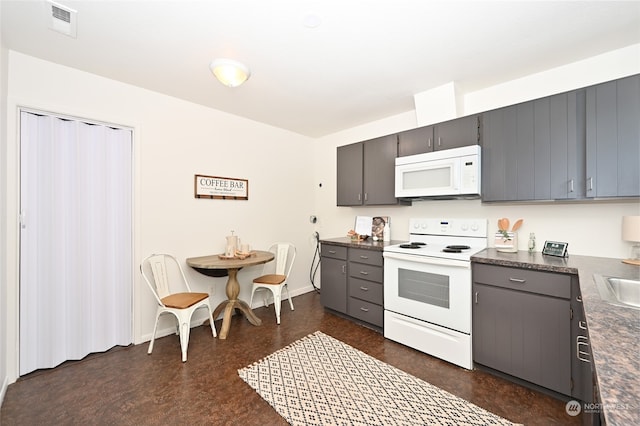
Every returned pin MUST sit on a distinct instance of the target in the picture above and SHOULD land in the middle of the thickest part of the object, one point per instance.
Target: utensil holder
(506, 242)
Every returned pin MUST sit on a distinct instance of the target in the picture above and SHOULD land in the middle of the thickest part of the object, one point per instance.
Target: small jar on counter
(532, 242)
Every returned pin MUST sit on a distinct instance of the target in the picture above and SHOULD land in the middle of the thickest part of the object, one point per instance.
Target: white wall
(174, 140)
(591, 229)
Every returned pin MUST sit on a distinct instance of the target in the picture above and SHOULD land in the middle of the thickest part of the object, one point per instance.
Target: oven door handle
(426, 259)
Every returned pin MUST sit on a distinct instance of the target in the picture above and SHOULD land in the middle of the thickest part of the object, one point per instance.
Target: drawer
(366, 311)
(366, 272)
(539, 282)
(335, 252)
(365, 290)
(370, 257)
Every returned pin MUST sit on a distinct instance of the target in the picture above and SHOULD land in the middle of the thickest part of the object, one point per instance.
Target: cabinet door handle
(364, 288)
(579, 299)
(364, 273)
(364, 257)
(428, 142)
(365, 196)
(571, 185)
(332, 251)
(582, 325)
(476, 297)
(439, 141)
(344, 269)
(359, 196)
(517, 280)
(589, 184)
(582, 341)
(364, 309)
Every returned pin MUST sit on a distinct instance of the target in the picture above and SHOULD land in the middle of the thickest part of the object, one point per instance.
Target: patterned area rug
(319, 380)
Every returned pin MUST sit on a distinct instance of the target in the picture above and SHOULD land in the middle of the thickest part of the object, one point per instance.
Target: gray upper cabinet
(530, 150)
(575, 145)
(366, 172)
(462, 131)
(450, 134)
(415, 141)
(350, 175)
(613, 138)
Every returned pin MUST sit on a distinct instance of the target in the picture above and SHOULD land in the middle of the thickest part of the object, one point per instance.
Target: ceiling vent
(62, 18)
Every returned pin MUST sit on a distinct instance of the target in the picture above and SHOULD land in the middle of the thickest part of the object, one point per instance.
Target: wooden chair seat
(183, 300)
(272, 279)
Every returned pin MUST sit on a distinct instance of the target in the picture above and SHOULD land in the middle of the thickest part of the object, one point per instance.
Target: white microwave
(450, 173)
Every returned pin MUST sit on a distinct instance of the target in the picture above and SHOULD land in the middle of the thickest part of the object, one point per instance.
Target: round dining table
(205, 265)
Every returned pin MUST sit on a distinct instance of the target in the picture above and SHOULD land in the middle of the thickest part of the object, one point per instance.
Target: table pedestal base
(229, 306)
(232, 302)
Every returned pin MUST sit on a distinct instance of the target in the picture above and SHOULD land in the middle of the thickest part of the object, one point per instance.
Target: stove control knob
(464, 226)
(474, 226)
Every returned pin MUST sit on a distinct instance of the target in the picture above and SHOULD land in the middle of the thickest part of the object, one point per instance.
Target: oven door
(430, 289)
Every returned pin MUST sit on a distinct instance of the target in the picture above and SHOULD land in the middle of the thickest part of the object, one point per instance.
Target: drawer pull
(579, 299)
(332, 251)
(582, 325)
(364, 309)
(517, 280)
(363, 257)
(582, 355)
(364, 288)
(364, 273)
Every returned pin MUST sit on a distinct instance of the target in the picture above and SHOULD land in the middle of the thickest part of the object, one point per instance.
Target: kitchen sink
(619, 291)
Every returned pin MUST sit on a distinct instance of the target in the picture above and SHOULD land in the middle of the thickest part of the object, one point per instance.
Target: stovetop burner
(455, 248)
(414, 245)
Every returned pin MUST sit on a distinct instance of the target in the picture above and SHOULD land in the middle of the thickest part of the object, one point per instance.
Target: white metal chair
(173, 296)
(275, 275)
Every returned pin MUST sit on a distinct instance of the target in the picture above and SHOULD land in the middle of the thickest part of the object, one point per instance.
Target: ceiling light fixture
(229, 72)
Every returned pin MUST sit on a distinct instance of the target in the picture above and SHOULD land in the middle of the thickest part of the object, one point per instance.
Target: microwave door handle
(455, 177)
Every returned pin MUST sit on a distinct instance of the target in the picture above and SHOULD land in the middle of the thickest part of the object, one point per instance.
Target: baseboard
(258, 302)
(200, 316)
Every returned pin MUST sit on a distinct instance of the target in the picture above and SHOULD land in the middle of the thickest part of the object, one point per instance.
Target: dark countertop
(614, 331)
(368, 244)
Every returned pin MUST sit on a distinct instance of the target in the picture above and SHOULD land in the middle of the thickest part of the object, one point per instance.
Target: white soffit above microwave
(320, 66)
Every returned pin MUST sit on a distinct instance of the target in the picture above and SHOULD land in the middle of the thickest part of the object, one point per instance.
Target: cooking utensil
(516, 225)
(506, 224)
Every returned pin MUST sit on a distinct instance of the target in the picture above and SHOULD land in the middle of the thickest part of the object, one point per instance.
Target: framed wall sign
(222, 188)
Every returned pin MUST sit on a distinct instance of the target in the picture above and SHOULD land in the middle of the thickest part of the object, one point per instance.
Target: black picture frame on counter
(555, 248)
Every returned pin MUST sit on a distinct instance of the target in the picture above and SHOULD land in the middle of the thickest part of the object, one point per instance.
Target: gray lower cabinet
(333, 271)
(462, 131)
(613, 138)
(352, 282)
(522, 326)
(585, 382)
(366, 172)
(365, 286)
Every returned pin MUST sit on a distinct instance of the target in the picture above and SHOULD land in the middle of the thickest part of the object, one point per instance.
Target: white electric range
(427, 287)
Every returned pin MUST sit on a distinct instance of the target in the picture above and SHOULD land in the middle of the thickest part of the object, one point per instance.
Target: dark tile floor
(126, 386)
